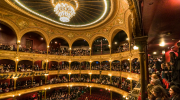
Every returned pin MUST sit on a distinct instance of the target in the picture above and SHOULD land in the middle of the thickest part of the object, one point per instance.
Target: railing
(30, 56)
(133, 76)
(50, 86)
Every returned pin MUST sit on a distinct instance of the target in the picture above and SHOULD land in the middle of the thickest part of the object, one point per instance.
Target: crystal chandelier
(65, 9)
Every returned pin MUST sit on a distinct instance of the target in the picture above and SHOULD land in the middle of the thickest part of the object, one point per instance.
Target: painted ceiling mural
(23, 23)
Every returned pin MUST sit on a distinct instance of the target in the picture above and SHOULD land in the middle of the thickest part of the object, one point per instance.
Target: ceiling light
(64, 9)
(154, 53)
(162, 44)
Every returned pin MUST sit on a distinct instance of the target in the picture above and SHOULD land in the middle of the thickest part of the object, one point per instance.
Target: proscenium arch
(35, 30)
(12, 26)
(98, 36)
(61, 37)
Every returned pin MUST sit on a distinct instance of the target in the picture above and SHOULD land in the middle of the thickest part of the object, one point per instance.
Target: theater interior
(89, 50)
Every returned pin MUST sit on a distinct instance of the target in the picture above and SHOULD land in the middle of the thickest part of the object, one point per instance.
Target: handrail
(33, 56)
(45, 87)
(130, 75)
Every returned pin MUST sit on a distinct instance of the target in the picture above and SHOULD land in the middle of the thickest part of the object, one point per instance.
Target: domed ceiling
(87, 12)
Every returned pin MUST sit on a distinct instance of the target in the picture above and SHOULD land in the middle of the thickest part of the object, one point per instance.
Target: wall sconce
(18, 41)
(19, 94)
(90, 73)
(69, 60)
(110, 74)
(90, 61)
(69, 48)
(47, 60)
(90, 86)
(69, 73)
(109, 45)
(129, 78)
(135, 48)
(47, 46)
(127, 39)
(89, 48)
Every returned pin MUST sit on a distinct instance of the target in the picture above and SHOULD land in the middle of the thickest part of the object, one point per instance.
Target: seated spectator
(174, 92)
(159, 93)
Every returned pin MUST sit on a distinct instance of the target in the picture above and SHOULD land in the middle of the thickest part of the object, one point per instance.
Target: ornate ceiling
(89, 12)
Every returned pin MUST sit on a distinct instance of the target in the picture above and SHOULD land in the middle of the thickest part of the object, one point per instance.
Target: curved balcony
(132, 76)
(50, 86)
(33, 56)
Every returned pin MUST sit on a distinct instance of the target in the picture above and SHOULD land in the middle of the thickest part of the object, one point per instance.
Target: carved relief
(21, 23)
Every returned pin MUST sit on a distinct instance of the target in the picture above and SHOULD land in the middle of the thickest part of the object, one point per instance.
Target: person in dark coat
(158, 65)
(174, 91)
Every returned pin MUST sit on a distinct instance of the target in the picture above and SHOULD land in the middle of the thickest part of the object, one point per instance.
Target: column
(69, 65)
(111, 95)
(18, 43)
(69, 90)
(47, 50)
(69, 77)
(45, 79)
(110, 79)
(90, 76)
(70, 51)
(16, 65)
(90, 90)
(46, 65)
(90, 64)
(141, 42)
(15, 83)
(45, 94)
(90, 51)
(110, 64)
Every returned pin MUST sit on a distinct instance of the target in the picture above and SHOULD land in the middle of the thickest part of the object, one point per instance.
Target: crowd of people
(7, 68)
(80, 52)
(62, 93)
(59, 51)
(7, 47)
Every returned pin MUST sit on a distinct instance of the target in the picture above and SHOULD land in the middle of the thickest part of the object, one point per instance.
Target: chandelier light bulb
(64, 9)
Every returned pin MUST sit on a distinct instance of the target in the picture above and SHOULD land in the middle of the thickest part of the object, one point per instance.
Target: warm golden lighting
(129, 78)
(64, 9)
(135, 48)
(162, 44)
(90, 73)
(127, 38)
(69, 73)
(19, 41)
(110, 74)
(154, 53)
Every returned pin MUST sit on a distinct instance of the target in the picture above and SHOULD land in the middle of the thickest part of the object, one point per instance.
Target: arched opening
(75, 78)
(32, 42)
(64, 65)
(23, 83)
(80, 48)
(59, 46)
(75, 65)
(8, 38)
(115, 66)
(100, 46)
(125, 85)
(53, 65)
(135, 66)
(105, 65)
(120, 42)
(85, 65)
(39, 65)
(95, 65)
(24, 65)
(7, 65)
(125, 66)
